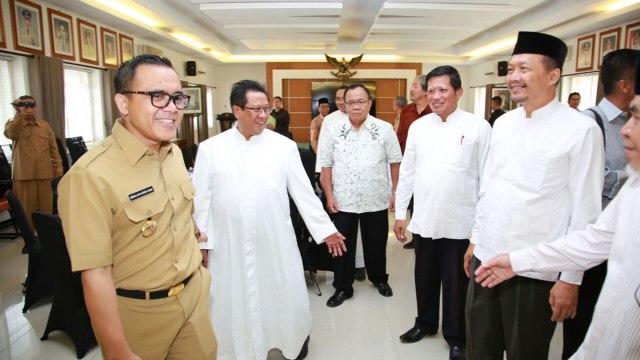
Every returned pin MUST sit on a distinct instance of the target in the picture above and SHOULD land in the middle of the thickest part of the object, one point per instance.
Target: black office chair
(68, 309)
(54, 188)
(76, 147)
(5, 185)
(63, 156)
(38, 284)
(187, 156)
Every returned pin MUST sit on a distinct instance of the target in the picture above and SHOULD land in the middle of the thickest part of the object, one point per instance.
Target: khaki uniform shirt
(35, 153)
(107, 197)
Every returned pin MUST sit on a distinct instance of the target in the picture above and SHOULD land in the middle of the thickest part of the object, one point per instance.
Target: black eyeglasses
(161, 99)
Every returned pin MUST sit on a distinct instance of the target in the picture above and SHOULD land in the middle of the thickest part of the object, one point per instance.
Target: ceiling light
(271, 5)
(129, 11)
(188, 39)
(216, 54)
(617, 5)
(492, 48)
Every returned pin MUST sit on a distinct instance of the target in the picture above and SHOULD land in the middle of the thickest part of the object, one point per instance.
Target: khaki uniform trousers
(175, 327)
(34, 195)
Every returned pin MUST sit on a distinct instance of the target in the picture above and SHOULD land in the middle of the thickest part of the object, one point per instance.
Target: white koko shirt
(543, 178)
(360, 163)
(615, 329)
(441, 167)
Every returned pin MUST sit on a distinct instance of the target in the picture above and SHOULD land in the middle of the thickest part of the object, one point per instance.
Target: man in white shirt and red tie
(542, 179)
(443, 160)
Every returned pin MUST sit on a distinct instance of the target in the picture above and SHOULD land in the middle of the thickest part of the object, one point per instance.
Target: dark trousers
(440, 261)
(375, 228)
(574, 330)
(514, 316)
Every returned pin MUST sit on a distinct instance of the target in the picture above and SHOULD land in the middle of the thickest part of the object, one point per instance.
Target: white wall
(225, 75)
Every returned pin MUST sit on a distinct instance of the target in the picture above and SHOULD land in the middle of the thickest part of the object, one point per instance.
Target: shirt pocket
(188, 190)
(146, 207)
(42, 142)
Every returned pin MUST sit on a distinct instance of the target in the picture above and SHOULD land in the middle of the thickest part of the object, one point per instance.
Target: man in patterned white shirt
(443, 160)
(358, 185)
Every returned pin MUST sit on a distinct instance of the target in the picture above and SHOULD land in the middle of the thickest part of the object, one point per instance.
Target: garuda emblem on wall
(343, 73)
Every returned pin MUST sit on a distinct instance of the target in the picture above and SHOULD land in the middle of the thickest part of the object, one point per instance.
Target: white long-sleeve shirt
(543, 178)
(441, 167)
(615, 329)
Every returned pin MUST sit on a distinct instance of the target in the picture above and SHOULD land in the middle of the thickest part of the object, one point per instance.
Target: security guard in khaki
(127, 210)
(36, 159)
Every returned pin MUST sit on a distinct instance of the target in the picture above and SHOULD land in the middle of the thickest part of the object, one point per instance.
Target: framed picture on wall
(109, 48)
(126, 48)
(61, 35)
(609, 41)
(88, 42)
(586, 48)
(195, 102)
(26, 22)
(3, 35)
(633, 36)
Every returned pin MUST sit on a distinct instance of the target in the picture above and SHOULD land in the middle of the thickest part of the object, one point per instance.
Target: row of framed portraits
(28, 36)
(608, 41)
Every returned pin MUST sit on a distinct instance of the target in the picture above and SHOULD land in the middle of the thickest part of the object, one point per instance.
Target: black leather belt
(151, 295)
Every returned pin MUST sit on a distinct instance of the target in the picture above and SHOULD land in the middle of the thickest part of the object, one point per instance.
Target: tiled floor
(365, 327)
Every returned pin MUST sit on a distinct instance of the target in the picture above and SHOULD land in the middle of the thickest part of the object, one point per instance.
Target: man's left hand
(563, 299)
(335, 243)
(205, 257)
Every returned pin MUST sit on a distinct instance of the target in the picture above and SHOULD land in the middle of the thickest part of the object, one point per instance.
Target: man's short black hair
(573, 94)
(355, 86)
(240, 89)
(497, 100)
(127, 71)
(454, 75)
(618, 65)
(276, 97)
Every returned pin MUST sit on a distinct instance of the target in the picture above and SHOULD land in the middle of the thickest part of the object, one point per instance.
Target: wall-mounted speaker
(502, 68)
(191, 68)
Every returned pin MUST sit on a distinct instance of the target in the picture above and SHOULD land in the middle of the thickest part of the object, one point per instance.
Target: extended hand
(335, 244)
(399, 227)
(495, 271)
(563, 299)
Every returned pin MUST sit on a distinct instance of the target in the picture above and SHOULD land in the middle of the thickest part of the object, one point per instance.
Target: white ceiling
(407, 30)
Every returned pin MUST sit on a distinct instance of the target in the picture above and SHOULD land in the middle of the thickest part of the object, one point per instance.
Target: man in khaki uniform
(126, 207)
(36, 159)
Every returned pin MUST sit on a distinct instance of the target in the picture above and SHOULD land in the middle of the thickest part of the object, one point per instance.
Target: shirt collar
(610, 111)
(451, 116)
(134, 149)
(546, 110)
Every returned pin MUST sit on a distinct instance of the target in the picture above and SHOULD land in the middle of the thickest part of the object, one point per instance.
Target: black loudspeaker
(191, 68)
(502, 68)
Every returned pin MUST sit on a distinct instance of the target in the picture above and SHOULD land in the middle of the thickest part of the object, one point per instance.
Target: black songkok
(542, 44)
(323, 101)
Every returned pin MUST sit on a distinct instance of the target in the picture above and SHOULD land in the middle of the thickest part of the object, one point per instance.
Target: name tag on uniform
(141, 193)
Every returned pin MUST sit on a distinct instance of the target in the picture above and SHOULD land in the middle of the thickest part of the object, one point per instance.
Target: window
(6, 97)
(479, 98)
(83, 107)
(585, 84)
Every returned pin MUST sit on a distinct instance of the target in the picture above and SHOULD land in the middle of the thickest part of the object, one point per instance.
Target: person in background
(574, 100)
(36, 159)
(126, 208)
(496, 109)
(316, 123)
(418, 108)
(282, 117)
(398, 104)
(542, 179)
(243, 176)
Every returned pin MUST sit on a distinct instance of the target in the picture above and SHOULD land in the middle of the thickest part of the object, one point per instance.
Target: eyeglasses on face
(359, 103)
(161, 99)
(259, 110)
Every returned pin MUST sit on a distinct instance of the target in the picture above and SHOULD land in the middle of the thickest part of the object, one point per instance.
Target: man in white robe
(259, 295)
(615, 329)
